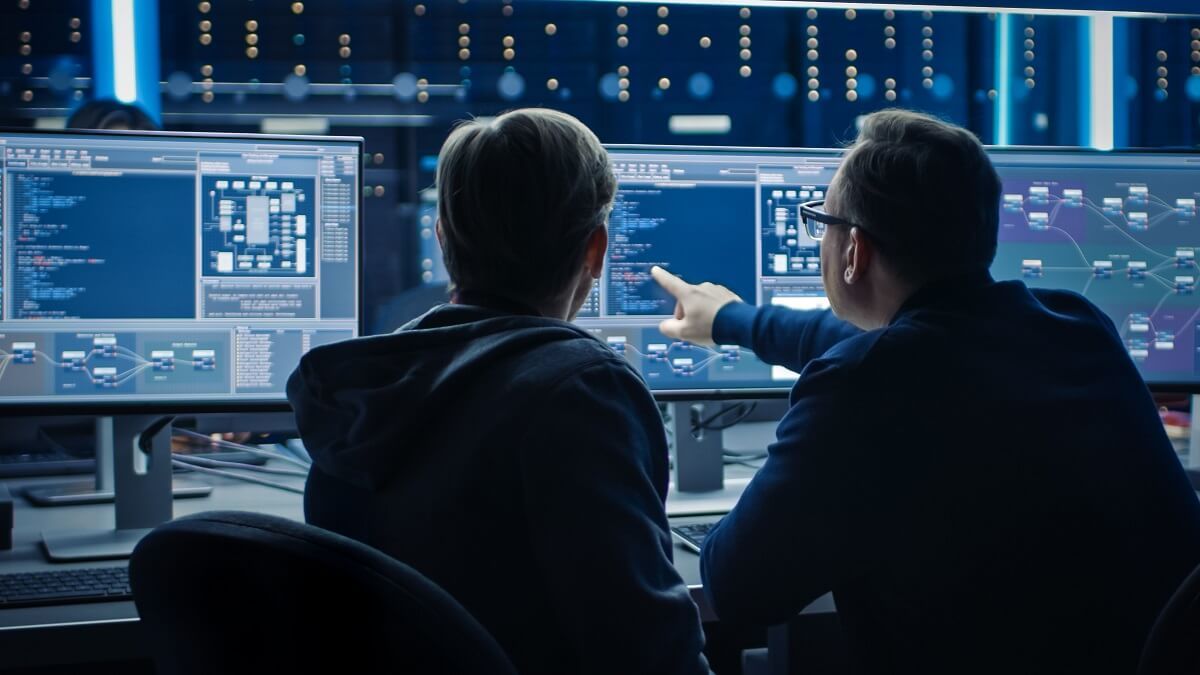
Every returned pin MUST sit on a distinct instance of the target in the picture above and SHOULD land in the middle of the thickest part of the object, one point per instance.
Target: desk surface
(101, 631)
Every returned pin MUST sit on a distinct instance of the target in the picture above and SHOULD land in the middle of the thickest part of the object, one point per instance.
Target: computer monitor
(725, 215)
(171, 270)
(1121, 228)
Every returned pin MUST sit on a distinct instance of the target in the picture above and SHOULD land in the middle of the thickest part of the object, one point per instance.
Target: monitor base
(81, 545)
(72, 494)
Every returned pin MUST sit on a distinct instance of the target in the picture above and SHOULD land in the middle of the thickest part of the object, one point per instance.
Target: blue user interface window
(727, 216)
(1122, 230)
(169, 267)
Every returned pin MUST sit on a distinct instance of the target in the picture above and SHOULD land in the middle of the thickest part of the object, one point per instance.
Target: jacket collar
(944, 289)
(493, 302)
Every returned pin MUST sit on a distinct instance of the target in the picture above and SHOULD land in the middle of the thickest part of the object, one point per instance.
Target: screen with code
(172, 268)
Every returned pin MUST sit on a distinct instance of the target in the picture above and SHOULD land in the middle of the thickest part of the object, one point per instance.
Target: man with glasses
(974, 469)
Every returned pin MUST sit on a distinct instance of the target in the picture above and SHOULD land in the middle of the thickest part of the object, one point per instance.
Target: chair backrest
(235, 592)
(1173, 647)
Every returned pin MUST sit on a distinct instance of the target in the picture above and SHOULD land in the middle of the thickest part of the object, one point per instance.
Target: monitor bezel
(1166, 386)
(173, 405)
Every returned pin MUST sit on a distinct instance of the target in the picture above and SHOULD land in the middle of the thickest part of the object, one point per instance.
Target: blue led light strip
(1003, 102)
(125, 53)
(1101, 101)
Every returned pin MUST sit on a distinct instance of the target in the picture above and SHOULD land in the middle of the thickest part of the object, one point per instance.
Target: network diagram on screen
(173, 268)
(1121, 229)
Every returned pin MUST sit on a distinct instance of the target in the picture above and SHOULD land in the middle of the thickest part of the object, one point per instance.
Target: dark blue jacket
(519, 463)
(984, 485)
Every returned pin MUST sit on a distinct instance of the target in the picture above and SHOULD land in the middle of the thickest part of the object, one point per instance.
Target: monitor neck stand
(139, 451)
(101, 491)
(699, 455)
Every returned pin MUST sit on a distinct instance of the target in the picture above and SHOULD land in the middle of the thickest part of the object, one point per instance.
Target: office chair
(1173, 647)
(235, 592)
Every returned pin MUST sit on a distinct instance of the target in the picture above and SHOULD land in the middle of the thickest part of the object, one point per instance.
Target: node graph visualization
(672, 364)
(258, 225)
(112, 364)
(1123, 231)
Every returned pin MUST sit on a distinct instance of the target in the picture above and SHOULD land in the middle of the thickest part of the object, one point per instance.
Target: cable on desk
(245, 448)
(238, 476)
(220, 464)
(736, 454)
(743, 462)
(743, 411)
(296, 447)
(750, 459)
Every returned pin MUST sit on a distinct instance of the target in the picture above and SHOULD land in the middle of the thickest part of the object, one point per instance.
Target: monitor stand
(100, 491)
(140, 453)
(699, 455)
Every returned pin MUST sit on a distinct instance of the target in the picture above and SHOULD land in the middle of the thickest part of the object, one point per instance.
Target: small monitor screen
(172, 268)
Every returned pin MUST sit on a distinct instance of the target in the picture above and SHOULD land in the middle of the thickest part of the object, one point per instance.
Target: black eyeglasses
(816, 221)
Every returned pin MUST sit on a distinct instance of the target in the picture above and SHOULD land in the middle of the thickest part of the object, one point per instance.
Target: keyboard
(60, 587)
(693, 535)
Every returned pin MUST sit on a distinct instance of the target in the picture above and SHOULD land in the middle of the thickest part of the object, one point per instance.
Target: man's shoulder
(581, 361)
(837, 368)
(853, 352)
(1068, 303)
(581, 350)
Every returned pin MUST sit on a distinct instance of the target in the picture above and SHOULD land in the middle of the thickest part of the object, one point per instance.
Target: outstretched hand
(696, 307)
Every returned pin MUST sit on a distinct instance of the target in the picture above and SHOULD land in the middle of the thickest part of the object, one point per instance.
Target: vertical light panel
(1121, 60)
(1101, 80)
(124, 51)
(1003, 104)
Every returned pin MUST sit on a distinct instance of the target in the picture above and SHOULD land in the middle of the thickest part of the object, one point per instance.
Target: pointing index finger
(673, 284)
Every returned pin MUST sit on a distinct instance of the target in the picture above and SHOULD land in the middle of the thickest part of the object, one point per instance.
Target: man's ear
(860, 253)
(441, 237)
(597, 247)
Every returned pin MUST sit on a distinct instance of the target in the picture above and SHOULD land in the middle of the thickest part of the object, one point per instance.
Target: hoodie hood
(354, 399)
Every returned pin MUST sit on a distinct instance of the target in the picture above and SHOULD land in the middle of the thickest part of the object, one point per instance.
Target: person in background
(108, 114)
(979, 476)
(505, 453)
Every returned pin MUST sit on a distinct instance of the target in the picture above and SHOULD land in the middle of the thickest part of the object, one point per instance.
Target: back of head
(927, 189)
(518, 198)
(110, 114)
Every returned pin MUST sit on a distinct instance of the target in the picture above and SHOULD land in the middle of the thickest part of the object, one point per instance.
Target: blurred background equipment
(718, 73)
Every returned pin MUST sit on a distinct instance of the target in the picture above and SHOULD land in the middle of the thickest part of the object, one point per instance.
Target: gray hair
(926, 189)
(518, 198)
